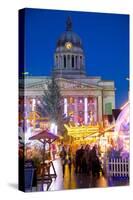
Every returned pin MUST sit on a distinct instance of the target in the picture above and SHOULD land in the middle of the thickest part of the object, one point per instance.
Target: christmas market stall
(46, 167)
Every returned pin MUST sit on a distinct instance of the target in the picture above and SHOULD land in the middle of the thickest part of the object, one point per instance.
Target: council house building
(87, 99)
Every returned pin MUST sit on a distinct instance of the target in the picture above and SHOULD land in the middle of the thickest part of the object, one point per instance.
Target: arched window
(72, 61)
(68, 60)
(64, 61)
(80, 61)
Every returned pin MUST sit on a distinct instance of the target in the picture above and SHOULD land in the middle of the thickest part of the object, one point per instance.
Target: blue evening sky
(105, 40)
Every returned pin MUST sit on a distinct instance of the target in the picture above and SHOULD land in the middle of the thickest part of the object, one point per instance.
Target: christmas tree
(53, 104)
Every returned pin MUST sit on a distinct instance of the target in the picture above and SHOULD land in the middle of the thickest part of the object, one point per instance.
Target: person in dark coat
(63, 154)
(69, 160)
(87, 159)
(84, 163)
(95, 163)
(79, 160)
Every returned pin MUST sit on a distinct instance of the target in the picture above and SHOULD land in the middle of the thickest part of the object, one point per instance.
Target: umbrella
(44, 137)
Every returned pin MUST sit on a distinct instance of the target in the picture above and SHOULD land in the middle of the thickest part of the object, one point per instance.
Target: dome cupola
(69, 36)
(69, 54)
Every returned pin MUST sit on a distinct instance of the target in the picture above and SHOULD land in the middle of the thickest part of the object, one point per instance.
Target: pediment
(63, 83)
(74, 84)
(36, 85)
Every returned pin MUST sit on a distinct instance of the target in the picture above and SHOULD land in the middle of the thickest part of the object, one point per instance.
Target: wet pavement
(76, 181)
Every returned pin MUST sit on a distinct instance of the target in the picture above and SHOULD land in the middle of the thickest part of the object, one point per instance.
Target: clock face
(68, 45)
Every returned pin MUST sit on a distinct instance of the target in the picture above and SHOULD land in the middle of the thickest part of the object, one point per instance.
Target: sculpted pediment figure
(74, 84)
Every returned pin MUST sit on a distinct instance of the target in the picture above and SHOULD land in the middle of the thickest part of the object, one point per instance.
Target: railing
(118, 167)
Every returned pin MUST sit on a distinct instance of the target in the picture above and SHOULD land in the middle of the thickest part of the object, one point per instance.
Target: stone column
(62, 66)
(66, 62)
(62, 61)
(74, 62)
(33, 104)
(70, 62)
(58, 64)
(58, 61)
(85, 110)
(83, 62)
(96, 109)
(78, 62)
(75, 110)
(100, 114)
(65, 106)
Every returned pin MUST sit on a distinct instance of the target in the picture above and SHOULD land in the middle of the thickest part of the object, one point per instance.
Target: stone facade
(86, 99)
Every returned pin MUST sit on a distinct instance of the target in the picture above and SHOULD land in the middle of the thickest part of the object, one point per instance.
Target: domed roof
(69, 36)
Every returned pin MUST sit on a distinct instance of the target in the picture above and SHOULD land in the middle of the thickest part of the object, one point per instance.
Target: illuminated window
(64, 61)
(72, 61)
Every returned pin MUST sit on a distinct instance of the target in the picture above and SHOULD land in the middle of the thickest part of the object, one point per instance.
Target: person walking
(69, 160)
(87, 159)
(81, 159)
(95, 163)
(77, 161)
(63, 154)
(84, 163)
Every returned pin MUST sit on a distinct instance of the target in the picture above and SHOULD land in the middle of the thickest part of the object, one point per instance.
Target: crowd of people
(85, 160)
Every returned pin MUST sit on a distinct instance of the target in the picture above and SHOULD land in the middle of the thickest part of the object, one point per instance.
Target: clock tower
(69, 59)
